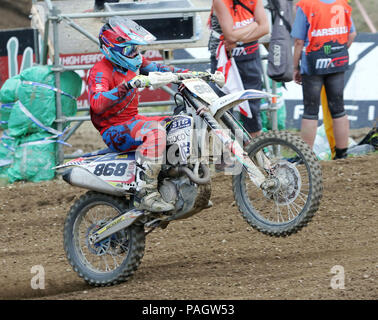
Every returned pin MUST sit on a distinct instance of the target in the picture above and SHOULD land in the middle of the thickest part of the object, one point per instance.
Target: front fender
(228, 101)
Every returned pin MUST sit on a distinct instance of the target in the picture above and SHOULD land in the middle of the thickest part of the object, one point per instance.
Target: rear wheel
(297, 188)
(115, 258)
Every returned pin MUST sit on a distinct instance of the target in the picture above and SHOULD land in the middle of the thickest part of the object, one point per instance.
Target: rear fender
(112, 173)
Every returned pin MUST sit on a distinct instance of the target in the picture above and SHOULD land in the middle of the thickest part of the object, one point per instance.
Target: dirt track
(213, 255)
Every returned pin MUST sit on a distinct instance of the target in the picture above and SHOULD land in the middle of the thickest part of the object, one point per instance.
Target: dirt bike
(277, 187)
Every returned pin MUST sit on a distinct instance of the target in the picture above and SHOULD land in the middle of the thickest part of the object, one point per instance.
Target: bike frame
(256, 176)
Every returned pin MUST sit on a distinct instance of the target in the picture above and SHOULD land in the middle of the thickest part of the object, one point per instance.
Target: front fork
(256, 176)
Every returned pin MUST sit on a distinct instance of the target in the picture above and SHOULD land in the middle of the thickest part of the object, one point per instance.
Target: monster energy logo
(327, 49)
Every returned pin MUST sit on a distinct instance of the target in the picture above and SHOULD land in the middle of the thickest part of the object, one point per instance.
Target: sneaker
(340, 153)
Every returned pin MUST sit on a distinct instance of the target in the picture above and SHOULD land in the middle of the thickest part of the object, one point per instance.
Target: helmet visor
(130, 30)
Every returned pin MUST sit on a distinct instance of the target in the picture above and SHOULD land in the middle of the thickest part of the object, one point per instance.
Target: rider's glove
(218, 78)
(139, 81)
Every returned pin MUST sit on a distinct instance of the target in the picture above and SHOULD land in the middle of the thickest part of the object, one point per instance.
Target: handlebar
(159, 79)
(207, 76)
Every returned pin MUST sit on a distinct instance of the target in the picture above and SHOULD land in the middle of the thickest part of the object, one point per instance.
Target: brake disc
(288, 183)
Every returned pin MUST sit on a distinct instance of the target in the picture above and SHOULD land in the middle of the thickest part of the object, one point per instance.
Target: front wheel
(295, 176)
(115, 258)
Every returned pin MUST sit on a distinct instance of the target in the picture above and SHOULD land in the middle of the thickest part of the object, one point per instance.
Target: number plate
(179, 132)
(117, 170)
(201, 89)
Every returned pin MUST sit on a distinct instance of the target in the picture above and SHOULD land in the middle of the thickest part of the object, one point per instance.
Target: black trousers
(250, 73)
(334, 87)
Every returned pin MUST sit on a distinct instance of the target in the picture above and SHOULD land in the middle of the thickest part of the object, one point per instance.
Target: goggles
(129, 50)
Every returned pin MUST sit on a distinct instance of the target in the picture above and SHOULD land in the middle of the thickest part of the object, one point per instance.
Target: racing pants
(146, 135)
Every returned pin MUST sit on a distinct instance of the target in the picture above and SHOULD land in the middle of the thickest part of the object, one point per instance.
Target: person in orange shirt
(241, 23)
(323, 31)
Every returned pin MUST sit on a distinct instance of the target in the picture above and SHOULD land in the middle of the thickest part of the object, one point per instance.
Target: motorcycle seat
(97, 153)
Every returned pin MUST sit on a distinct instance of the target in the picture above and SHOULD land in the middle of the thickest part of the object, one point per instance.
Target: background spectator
(324, 28)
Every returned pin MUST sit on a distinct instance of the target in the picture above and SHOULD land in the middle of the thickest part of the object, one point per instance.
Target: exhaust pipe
(82, 178)
(191, 175)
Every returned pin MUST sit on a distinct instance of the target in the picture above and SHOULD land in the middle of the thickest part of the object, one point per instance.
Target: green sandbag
(33, 159)
(31, 120)
(20, 124)
(36, 93)
(39, 73)
(9, 90)
(71, 83)
(6, 156)
(6, 146)
(5, 111)
(38, 100)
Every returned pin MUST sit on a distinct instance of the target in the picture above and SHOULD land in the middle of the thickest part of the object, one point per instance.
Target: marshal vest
(241, 18)
(328, 34)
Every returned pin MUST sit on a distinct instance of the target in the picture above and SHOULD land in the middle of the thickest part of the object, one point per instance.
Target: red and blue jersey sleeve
(103, 92)
(152, 66)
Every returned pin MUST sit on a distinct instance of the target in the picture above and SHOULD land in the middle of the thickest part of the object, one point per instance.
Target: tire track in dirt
(213, 255)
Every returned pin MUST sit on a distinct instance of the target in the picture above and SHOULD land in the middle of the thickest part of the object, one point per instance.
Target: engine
(189, 198)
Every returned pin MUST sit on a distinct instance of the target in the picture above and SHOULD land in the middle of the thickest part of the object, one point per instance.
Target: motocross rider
(114, 103)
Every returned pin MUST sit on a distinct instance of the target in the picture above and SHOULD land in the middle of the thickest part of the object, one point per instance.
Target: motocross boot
(151, 199)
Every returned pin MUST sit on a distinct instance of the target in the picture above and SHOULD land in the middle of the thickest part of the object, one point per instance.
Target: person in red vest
(323, 31)
(241, 23)
(114, 98)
